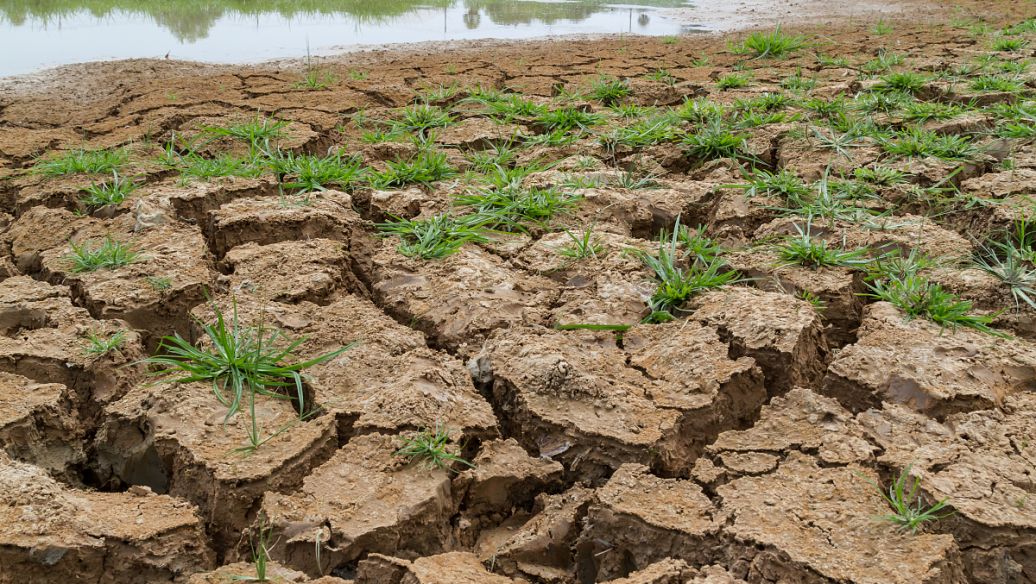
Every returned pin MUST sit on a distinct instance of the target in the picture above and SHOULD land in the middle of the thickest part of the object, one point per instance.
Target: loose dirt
(746, 439)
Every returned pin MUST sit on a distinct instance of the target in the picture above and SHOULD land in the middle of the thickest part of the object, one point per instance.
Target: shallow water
(36, 34)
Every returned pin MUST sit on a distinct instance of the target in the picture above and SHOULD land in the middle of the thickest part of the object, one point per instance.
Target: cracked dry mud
(740, 442)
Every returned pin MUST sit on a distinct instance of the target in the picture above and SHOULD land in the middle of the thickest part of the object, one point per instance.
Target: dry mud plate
(645, 311)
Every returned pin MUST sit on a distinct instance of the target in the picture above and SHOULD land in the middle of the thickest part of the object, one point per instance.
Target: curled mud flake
(782, 334)
(820, 521)
(370, 504)
(47, 342)
(324, 215)
(292, 271)
(981, 462)
(53, 531)
(635, 507)
(934, 371)
(459, 300)
(448, 568)
(175, 439)
(167, 277)
(39, 424)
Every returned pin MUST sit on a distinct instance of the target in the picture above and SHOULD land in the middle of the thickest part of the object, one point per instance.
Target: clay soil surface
(673, 312)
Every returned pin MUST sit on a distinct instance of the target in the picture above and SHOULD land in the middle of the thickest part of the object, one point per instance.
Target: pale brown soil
(735, 444)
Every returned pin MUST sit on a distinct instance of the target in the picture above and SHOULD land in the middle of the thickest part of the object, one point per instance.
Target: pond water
(36, 34)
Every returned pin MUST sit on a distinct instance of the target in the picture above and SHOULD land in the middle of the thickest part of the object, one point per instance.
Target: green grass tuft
(108, 254)
(83, 162)
(425, 168)
(772, 44)
(917, 297)
(909, 512)
(98, 346)
(430, 447)
(436, 237)
(112, 192)
(240, 362)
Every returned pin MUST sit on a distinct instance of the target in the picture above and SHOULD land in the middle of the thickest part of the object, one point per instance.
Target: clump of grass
(997, 83)
(240, 362)
(830, 61)
(609, 90)
(430, 447)
(439, 93)
(899, 266)
(906, 82)
(314, 78)
(644, 132)
(918, 142)
(510, 107)
(808, 251)
(90, 256)
(1005, 264)
(885, 61)
(703, 249)
(111, 192)
(306, 173)
(633, 181)
(511, 208)
(922, 111)
(498, 156)
(1023, 27)
(797, 82)
(733, 81)
(880, 175)
(195, 166)
(700, 111)
(677, 283)
(715, 141)
(436, 237)
(1016, 130)
(1021, 239)
(426, 167)
(772, 44)
(257, 132)
(765, 102)
(422, 117)
(882, 101)
(1007, 44)
(83, 162)
(909, 511)
(917, 297)
(783, 183)
(826, 201)
(584, 245)
(98, 346)
(567, 118)
(663, 75)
